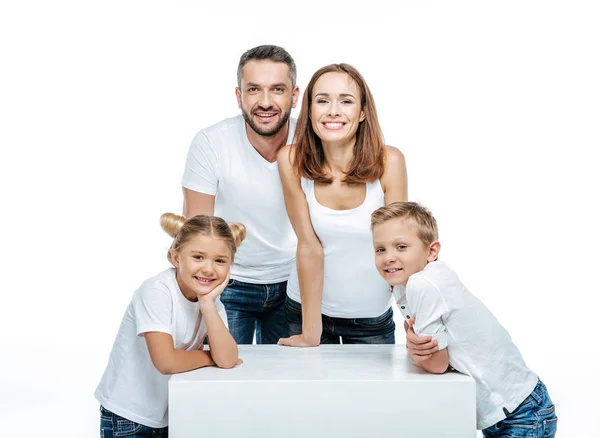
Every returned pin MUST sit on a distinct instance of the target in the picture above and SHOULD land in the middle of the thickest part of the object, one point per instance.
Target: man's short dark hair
(267, 52)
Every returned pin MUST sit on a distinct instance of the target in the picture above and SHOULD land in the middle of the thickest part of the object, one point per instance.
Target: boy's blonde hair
(424, 222)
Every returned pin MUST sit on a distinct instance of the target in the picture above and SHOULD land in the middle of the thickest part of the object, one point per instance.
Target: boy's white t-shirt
(477, 343)
(131, 386)
(247, 188)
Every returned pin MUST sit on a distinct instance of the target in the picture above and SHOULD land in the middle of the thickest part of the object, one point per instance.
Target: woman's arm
(394, 181)
(309, 255)
(169, 360)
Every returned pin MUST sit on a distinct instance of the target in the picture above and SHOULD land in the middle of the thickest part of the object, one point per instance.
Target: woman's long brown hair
(368, 159)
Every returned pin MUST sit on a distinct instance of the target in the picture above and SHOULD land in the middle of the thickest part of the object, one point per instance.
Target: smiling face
(202, 263)
(266, 96)
(335, 110)
(399, 252)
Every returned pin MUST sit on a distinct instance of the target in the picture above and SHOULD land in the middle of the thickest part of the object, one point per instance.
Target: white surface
(494, 104)
(342, 390)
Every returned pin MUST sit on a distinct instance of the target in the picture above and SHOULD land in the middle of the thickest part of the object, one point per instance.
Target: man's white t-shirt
(247, 188)
(477, 343)
(131, 386)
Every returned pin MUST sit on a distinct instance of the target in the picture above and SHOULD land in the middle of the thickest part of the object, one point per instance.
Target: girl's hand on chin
(214, 294)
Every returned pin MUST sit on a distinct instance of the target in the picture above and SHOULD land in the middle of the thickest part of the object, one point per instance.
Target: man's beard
(270, 132)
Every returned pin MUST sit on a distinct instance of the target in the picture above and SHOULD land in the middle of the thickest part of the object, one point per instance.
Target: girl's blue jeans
(115, 426)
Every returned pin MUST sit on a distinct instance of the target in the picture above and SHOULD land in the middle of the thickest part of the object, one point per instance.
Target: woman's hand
(300, 340)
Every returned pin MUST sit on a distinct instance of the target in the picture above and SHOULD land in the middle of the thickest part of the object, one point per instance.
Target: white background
(495, 106)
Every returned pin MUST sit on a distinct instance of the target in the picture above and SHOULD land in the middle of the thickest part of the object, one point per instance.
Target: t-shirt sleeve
(429, 309)
(153, 310)
(201, 166)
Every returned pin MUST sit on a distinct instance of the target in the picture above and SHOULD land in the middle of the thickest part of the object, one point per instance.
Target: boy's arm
(437, 363)
(420, 348)
(429, 309)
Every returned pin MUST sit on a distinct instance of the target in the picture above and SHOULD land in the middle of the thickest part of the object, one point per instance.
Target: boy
(510, 397)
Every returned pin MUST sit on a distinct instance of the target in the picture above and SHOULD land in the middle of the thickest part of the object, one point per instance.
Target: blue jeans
(377, 330)
(534, 418)
(114, 426)
(257, 307)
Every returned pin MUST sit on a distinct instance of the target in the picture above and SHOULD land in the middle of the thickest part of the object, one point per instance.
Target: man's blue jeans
(377, 330)
(257, 307)
(535, 418)
(113, 426)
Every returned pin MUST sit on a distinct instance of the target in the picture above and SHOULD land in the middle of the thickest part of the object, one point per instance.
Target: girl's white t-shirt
(131, 386)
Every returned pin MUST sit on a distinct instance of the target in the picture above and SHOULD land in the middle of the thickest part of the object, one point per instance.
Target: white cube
(328, 391)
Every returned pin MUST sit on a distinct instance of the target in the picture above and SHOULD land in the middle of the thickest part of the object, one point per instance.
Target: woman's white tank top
(352, 287)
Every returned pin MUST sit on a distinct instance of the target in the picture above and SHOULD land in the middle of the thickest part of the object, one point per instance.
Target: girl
(338, 172)
(164, 327)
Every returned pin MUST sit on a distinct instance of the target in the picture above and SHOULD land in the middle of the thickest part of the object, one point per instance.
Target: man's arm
(200, 177)
(197, 203)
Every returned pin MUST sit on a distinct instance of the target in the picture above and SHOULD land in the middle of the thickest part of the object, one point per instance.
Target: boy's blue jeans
(378, 330)
(535, 418)
(257, 307)
(115, 426)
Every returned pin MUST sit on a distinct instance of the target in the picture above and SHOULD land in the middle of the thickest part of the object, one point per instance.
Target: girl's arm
(309, 255)
(169, 360)
(394, 181)
(223, 349)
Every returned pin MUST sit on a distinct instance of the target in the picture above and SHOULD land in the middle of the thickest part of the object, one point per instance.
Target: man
(231, 172)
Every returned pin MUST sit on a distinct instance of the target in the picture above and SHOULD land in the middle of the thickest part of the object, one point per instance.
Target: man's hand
(420, 348)
(299, 341)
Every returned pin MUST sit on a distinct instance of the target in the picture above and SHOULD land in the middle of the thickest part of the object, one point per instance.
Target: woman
(335, 175)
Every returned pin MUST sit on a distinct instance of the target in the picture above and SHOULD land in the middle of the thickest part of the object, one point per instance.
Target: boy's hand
(420, 348)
